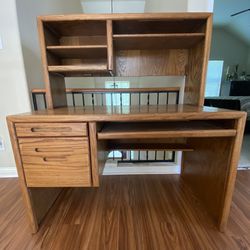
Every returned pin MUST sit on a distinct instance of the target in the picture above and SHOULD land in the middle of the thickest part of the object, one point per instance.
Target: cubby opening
(76, 48)
(167, 26)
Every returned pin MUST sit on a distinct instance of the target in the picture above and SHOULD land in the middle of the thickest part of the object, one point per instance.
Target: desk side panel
(37, 201)
(210, 170)
(98, 153)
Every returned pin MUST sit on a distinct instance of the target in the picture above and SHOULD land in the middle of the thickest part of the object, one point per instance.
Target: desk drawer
(56, 162)
(50, 129)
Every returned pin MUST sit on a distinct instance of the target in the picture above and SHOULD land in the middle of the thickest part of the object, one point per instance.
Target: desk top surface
(127, 113)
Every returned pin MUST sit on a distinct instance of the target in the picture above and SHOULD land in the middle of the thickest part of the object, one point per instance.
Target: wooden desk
(67, 147)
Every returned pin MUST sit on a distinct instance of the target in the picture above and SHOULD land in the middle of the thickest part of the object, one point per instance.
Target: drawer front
(56, 162)
(51, 129)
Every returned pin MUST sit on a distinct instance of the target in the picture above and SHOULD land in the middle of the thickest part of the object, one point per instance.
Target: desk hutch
(67, 146)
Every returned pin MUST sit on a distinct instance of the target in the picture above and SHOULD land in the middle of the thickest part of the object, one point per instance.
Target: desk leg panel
(98, 152)
(206, 172)
(37, 201)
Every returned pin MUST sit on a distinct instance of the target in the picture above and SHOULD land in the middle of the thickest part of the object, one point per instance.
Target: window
(214, 75)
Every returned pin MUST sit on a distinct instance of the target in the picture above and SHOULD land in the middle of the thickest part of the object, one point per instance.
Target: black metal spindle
(102, 98)
(73, 99)
(34, 101)
(45, 101)
(148, 99)
(83, 99)
(177, 97)
(93, 99)
(167, 98)
(120, 99)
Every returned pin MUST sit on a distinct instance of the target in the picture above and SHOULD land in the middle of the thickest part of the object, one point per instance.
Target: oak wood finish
(151, 62)
(116, 145)
(36, 208)
(126, 212)
(79, 51)
(110, 49)
(89, 68)
(129, 45)
(159, 41)
(184, 16)
(99, 152)
(128, 114)
(163, 130)
(54, 84)
(51, 129)
(197, 68)
(116, 90)
(210, 171)
(140, 123)
(55, 162)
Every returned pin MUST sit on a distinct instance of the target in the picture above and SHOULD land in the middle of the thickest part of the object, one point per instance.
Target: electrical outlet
(1, 144)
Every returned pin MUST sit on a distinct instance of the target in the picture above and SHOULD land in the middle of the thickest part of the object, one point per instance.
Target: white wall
(119, 6)
(13, 89)
(27, 11)
(200, 5)
(166, 6)
(179, 5)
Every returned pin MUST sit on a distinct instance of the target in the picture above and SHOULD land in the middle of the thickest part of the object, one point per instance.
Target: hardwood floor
(127, 212)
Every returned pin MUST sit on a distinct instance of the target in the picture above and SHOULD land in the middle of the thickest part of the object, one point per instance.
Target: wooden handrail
(116, 90)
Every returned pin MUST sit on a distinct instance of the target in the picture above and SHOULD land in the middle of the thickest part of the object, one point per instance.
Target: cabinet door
(56, 162)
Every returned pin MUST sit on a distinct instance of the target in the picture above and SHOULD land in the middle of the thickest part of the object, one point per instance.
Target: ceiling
(238, 25)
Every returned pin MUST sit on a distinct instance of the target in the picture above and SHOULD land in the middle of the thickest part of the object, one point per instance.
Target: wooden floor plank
(126, 212)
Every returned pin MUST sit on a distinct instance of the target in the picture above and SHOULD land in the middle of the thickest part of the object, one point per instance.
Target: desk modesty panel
(68, 147)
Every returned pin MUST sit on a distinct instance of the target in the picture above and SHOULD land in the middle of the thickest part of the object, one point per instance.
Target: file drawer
(56, 162)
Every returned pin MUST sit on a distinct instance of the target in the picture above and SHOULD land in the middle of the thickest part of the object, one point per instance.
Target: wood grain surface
(127, 113)
(56, 162)
(140, 130)
(126, 212)
(51, 129)
(37, 202)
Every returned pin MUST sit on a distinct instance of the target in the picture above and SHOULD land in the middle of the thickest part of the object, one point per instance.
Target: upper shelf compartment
(83, 32)
(159, 26)
(158, 34)
(157, 41)
(78, 48)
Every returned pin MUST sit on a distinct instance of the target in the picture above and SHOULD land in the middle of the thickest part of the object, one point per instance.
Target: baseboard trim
(8, 172)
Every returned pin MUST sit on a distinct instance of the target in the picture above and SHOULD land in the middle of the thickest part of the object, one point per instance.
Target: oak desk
(67, 147)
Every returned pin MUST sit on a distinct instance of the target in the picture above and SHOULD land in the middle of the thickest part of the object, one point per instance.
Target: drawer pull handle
(58, 129)
(54, 159)
(44, 150)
